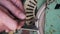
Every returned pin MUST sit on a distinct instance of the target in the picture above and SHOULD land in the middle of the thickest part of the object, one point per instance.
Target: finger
(21, 24)
(1, 29)
(6, 11)
(18, 3)
(18, 13)
(7, 21)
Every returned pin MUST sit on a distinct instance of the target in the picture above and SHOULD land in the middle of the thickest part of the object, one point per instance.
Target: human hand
(16, 8)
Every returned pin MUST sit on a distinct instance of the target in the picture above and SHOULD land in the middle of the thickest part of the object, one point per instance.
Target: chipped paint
(52, 20)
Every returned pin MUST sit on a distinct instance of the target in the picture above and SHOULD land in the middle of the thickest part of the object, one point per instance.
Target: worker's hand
(16, 8)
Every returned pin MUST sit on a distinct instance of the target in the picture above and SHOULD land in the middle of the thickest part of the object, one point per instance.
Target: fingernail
(22, 16)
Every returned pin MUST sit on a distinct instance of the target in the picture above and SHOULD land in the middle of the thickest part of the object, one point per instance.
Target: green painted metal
(40, 2)
(52, 20)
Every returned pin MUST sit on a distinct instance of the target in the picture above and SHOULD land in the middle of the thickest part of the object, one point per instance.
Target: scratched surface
(52, 20)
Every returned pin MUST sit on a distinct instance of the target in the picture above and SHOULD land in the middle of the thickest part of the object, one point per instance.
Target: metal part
(52, 19)
(30, 6)
(28, 29)
(40, 16)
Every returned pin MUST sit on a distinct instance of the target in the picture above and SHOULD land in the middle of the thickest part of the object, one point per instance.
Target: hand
(16, 8)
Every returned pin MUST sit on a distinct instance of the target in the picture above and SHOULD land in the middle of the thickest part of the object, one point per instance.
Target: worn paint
(52, 19)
